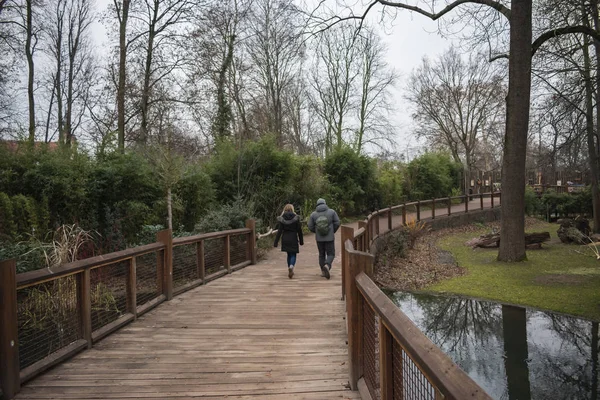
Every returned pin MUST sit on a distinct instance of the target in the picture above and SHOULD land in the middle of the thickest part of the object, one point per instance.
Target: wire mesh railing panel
(214, 255)
(185, 266)
(48, 319)
(371, 350)
(238, 249)
(409, 382)
(146, 278)
(108, 290)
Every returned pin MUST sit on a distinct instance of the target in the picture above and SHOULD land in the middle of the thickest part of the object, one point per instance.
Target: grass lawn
(555, 277)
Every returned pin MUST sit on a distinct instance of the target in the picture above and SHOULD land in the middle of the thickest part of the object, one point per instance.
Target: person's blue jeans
(291, 259)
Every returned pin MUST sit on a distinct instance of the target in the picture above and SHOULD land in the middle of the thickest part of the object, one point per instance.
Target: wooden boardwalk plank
(254, 334)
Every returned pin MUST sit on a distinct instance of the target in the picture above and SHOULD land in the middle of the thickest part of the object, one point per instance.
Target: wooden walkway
(254, 334)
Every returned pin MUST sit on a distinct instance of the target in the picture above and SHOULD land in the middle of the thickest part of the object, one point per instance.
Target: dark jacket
(289, 230)
(334, 221)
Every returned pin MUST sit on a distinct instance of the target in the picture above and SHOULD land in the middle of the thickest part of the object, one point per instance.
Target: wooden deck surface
(255, 334)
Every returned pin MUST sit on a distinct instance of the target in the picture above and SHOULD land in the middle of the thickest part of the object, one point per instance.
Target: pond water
(512, 352)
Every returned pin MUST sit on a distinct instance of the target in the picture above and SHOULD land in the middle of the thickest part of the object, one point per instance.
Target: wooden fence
(49, 315)
(390, 358)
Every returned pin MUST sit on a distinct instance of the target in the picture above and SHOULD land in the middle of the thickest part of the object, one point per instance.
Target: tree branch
(434, 16)
(565, 30)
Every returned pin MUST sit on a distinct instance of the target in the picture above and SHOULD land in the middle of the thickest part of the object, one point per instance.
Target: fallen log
(493, 240)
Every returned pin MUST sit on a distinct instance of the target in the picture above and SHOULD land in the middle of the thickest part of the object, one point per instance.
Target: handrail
(440, 370)
(212, 235)
(401, 343)
(89, 299)
(38, 276)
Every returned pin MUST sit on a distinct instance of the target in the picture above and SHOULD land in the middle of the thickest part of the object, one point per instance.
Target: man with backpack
(324, 222)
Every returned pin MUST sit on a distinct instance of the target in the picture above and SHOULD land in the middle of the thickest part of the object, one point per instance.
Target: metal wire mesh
(185, 267)
(48, 319)
(238, 249)
(214, 255)
(146, 278)
(409, 381)
(371, 350)
(108, 287)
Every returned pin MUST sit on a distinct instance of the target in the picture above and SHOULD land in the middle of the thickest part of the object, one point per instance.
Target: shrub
(415, 230)
(228, 216)
(432, 175)
(29, 255)
(7, 225)
(260, 173)
(533, 205)
(25, 215)
(196, 195)
(394, 245)
(390, 180)
(353, 187)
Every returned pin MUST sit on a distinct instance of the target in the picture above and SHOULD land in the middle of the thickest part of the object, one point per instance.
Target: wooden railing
(48, 315)
(390, 358)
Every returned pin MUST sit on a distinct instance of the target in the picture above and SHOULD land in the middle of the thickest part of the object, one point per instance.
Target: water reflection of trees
(520, 354)
(468, 330)
(568, 362)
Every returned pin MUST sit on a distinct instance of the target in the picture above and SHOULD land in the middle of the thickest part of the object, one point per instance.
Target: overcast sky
(408, 38)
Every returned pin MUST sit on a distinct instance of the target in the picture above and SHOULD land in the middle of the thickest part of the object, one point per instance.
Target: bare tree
(276, 49)
(70, 49)
(157, 26)
(456, 103)
(351, 83)
(376, 80)
(521, 50)
(333, 79)
(121, 11)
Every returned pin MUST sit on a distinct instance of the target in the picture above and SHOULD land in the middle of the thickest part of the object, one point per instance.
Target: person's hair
(288, 207)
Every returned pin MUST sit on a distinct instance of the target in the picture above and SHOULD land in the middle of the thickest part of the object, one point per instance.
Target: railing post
(481, 200)
(386, 368)
(390, 216)
(251, 224)
(466, 204)
(10, 381)
(347, 234)
(365, 236)
(84, 299)
(166, 237)
(226, 255)
(132, 287)
(433, 209)
(200, 260)
(358, 262)
(449, 206)
(418, 210)
(376, 222)
(492, 197)
(404, 214)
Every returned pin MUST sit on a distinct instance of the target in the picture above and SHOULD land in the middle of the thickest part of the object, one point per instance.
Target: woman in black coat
(289, 230)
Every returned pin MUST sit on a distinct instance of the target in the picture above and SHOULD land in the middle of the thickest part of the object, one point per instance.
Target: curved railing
(48, 315)
(390, 358)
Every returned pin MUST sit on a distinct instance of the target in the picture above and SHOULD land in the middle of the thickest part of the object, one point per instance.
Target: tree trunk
(169, 209)
(593, 138)
(122, 74)
(589, 127)
(595, 351)
(514, 327)
(147, 72)
(512, 243)
(223, 117)
(30, 65)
